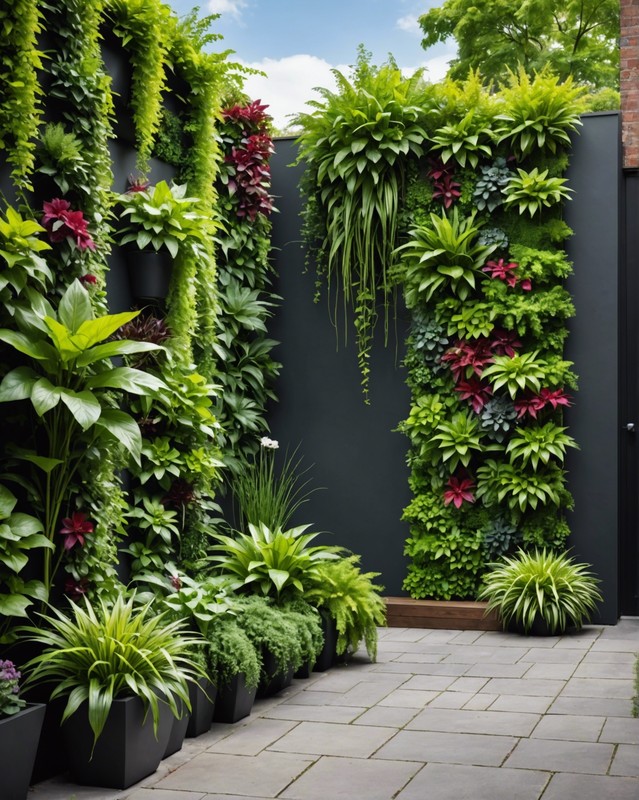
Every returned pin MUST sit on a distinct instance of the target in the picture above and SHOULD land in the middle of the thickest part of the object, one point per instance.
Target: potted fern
(541, 592)
(124, 674)
(234, 665)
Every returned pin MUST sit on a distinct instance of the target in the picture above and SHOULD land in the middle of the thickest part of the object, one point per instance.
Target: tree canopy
(574, 37)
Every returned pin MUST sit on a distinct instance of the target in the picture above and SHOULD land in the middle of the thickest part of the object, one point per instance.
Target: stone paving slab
(454, 782)
(331, 778)
(444, 715)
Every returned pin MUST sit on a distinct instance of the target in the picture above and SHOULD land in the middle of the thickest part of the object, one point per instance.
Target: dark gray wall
(593, 214)
(357, 457)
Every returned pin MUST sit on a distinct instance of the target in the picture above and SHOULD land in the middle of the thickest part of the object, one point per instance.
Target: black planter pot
(539, 627)
(178, 732)
(202, 696)
(274, 677)
(234, 700)
(127, 750)
(19, 736)
(328, 656)
(149, 274)
(304, 671)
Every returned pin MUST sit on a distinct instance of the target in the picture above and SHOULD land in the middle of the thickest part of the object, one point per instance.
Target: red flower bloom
(555, 398)
(74, 528)
(459, 491)
(176, 582)
(76, 589)
(526, 285)
(501, 270)
(504, 343)
(88, 279)
(474, 390)
(468, 358)
(63, 223)
(530, 404)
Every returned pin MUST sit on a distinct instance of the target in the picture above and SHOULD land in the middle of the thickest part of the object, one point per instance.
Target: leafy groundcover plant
(96, 654)
(541, 585)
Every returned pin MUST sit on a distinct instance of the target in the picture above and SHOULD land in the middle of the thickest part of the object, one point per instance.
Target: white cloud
(409, 24)
(231, 8)
(290, 82)
(289, 85)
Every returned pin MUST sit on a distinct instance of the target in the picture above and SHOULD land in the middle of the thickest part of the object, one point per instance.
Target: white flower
(272, 444)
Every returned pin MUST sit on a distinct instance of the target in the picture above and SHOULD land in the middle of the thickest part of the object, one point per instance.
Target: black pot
(274, 676)
(178, 732)
(328, 656)
(149, 274)
(539, 627)
(234, 700)
(126, 751)
(19, 736)
(304, 671)
(202, 697)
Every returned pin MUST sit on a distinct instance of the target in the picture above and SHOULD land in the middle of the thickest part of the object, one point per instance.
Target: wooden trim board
(404, 612)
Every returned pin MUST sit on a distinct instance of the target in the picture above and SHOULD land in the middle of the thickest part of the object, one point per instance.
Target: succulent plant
(499, 537)
(429, 339)
(497, 417)
(495, 236)
(488, 189)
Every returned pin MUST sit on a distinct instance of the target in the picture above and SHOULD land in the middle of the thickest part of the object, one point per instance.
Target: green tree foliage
(577, 37)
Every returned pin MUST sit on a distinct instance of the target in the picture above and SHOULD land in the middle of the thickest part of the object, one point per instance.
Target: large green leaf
(75, 307)
(13, 605)
(45, 396)
(17, 384)
(84, 406)
(63, 341)
(110, 349)
(7, 502)
(40, 351)
(124, 428)
(46, 464)
(127, 378)
(94, 331)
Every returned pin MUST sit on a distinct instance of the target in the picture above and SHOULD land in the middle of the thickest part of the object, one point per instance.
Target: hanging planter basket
(149, 275)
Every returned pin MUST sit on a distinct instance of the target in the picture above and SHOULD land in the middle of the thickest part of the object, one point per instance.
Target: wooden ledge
(404, 612)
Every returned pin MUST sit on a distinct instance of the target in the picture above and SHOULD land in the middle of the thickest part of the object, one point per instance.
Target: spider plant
(541, 585)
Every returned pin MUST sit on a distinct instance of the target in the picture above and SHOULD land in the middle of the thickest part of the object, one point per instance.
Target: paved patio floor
(442, 715)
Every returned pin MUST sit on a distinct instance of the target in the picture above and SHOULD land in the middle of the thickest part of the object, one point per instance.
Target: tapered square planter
(234, 700)
(327, 657)
(178, 732)
(275, 676)
(19, 736)
(126, 751)
(202, 696)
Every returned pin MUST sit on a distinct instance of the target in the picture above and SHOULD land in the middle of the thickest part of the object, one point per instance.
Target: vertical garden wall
(343, 438)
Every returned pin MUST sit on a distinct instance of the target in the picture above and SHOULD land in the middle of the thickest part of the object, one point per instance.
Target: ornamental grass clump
(98, 654)
(541, 585)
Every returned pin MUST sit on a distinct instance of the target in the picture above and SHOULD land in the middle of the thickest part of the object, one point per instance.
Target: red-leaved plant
(459, 491)
(445, 188)
(62, 222)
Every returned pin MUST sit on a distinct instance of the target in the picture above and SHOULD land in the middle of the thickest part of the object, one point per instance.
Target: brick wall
(630, 82)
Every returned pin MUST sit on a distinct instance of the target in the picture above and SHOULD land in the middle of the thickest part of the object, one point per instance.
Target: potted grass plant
(541, 592)
(124, 672)
(20, 726)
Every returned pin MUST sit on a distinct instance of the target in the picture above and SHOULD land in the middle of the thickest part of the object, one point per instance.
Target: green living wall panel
(358, 459)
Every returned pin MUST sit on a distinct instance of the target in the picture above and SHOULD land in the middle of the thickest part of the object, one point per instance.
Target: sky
(298, 42)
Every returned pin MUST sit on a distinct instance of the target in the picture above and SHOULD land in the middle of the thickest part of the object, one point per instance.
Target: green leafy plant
(464, 141)
(273, 562)
(353, 144)
(538, 444)
(352, 599)
(540, 113)
(25, 270)
(231, 652)
(534, 190)
(96, 654)
(270, 627)
(518, 373)
(541, 585)
(60, 156)
(443, 253)
(488, 192)
(20, 535)
(70, 388)
(522, 490)
(458, 439)
(161, 216)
